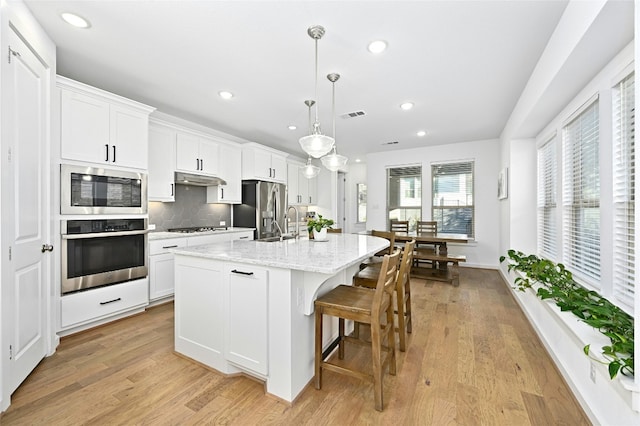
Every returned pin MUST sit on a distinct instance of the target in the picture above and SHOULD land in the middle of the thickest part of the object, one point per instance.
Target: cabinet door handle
(111, 301)
(173, 246)
(235, 271)
(106, 149)
(309, 199)
(114, 153)
(201, 164)
(197, 164)
(172, 190)
(222, 193)
(244, 238)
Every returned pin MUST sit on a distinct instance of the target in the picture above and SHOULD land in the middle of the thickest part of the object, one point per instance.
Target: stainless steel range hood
(198, 180)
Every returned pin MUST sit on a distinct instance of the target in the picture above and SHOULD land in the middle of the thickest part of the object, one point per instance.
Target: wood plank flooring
(472, 359)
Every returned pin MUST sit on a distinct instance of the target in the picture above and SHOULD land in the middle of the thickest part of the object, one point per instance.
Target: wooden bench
(445, 267)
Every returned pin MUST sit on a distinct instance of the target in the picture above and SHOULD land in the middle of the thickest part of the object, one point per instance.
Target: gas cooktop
(197, 229)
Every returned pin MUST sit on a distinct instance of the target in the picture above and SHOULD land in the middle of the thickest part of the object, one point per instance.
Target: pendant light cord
(316, 88)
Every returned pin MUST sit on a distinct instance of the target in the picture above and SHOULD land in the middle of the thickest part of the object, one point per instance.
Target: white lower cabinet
(161, 267)
(92, 305)
(246, 324)
(199, 310)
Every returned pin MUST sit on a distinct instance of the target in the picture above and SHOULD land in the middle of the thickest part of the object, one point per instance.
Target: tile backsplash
(189, 209)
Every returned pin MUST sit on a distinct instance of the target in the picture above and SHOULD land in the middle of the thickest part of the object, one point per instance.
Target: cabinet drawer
(96, 304)
(163, 246)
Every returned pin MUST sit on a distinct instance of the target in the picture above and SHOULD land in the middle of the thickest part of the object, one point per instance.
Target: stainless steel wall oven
(92, 190)
(100, 252)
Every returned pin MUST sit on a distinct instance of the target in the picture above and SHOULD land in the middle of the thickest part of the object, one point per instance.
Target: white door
(25, 209)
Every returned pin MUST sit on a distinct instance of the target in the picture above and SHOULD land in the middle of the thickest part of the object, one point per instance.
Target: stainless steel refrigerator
(263, 207)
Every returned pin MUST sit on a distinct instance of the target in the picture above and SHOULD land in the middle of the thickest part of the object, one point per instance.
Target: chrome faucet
(295, 209)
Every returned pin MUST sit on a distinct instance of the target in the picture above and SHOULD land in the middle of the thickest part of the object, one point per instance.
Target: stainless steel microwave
(92, 190)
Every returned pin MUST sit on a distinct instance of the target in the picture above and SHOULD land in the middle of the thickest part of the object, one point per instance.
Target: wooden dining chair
(366, 306)
(399, 225)
(425, 228)
(368, 277)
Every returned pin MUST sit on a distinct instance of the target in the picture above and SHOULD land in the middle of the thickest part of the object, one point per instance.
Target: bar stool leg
(341, 337)
(318, 357)
(377, 367)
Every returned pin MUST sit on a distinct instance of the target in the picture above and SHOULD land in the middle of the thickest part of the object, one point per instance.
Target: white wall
(484, 251)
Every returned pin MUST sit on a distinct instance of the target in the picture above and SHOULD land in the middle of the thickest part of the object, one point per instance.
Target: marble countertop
(327, 257)
(165, 235)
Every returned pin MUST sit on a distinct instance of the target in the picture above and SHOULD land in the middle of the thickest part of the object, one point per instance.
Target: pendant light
(334, 161)
(316, 144)
(309, 170)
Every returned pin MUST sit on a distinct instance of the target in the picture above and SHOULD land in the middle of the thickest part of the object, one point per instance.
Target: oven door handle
(103, 234)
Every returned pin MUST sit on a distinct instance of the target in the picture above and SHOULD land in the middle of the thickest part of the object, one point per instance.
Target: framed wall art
(503, 184)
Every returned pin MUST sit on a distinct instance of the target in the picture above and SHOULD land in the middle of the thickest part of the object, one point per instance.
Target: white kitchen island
(247, 306)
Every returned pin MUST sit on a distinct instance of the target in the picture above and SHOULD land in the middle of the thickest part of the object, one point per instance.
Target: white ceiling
(463, 63)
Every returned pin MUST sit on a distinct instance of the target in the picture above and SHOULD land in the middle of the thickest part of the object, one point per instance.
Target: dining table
(438, 239)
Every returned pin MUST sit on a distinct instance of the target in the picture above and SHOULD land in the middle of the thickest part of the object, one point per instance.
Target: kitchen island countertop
(338, 252)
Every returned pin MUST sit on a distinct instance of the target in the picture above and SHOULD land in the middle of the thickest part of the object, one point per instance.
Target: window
(581, 194)
(404, 194)
(547, 169)
(623, 191)
(452, 205)
(361, 190)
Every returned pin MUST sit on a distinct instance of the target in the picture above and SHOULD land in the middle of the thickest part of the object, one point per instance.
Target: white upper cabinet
(162, 160)
(102, 128)
(301, 190)
(196, 154)
(230, 171)
(262, 163)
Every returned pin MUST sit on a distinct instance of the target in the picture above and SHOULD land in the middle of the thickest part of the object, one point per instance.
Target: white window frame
(437, 208)
(581, 193)
(548, 198)
(623, 285)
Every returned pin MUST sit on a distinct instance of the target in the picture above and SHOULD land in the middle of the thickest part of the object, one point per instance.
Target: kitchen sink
(274, 239)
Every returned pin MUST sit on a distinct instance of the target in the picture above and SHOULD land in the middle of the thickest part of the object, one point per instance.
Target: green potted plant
(318, 228)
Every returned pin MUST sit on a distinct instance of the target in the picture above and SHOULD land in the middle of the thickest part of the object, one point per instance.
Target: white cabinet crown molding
(76, 86)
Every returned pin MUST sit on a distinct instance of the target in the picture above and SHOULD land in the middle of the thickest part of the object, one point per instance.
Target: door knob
(47, 247)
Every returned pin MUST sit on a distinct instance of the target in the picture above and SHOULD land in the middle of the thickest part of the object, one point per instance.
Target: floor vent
(353, 114)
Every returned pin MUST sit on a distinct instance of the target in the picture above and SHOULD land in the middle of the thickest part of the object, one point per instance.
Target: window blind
(404, 193)
(547, 180)
(452, 205)
(624, 192)
(581, 195)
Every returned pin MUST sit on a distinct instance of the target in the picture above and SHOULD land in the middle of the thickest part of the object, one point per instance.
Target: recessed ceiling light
(406, 106)
(225, 95)
(421, 133)
(292, 127)
(358, 160)
(75, 20)
(377, 46)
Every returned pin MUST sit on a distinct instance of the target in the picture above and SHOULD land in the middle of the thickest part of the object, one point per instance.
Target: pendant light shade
(309, 170)
(316, 144)
(334, 161)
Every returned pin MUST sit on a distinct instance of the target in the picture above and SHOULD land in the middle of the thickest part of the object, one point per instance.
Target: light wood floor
(472, 359)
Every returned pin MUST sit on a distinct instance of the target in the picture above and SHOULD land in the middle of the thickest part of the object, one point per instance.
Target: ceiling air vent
(353, 114)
